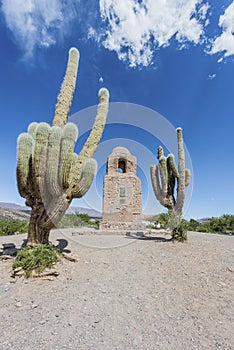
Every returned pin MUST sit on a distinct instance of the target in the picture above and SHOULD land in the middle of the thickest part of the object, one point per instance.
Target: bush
(12, 227)
(224, 224)
(178, 226)
(71, 220)
(179, 233)
(38, 259)
(77, 220)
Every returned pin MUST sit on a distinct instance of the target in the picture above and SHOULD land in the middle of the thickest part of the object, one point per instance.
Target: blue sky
(174, 58)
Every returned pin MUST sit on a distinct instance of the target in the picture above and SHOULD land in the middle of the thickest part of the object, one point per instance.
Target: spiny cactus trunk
(167, 172)
(49, 173)
(36, 233)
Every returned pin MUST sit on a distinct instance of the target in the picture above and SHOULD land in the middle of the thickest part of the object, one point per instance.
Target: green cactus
(167, 172)
(49, 173)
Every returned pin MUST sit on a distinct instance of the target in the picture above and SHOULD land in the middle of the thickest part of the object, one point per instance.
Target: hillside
(20, 212)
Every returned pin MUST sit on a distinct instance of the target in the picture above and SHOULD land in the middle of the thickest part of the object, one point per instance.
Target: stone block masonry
(122, 194)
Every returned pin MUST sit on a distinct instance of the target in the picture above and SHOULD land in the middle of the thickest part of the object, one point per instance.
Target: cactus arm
(181, 171)
(88, 172)
(94, 138)
(53, 159)
(160, 152)
(69, 137)
(67, 90)
(156, 184)
(171, 165)
(39, 158)
(25, 150)
(187, 177)
(32, 129)
(163, 174)
(55, 211)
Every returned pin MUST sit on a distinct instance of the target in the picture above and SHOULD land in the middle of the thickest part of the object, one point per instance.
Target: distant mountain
(79, 210)
(14, 206)
(14, 214)
(71, 210)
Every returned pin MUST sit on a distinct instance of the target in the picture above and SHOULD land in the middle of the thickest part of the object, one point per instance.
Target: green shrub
(38, 258)
(224, 224)
(178, 226)
(12, 227)
(78, 220)
(179, 233)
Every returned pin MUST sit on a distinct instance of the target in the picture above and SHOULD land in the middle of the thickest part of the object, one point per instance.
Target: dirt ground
(126, 292)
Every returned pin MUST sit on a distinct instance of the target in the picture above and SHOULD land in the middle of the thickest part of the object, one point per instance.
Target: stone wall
(122, 194)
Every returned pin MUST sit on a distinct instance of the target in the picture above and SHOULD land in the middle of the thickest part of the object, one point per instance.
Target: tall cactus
(167, 172)
(49, 173)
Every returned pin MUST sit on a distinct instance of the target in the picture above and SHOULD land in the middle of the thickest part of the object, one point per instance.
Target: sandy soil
(124, 293)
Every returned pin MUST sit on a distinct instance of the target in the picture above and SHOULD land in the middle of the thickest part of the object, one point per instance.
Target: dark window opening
(122, 166)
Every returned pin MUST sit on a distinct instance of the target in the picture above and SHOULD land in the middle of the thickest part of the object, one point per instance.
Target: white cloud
(35, 23)
(134, 30)
(225, 41)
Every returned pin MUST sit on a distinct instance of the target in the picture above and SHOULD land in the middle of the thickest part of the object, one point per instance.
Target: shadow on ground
(143, 237)
(10, 249)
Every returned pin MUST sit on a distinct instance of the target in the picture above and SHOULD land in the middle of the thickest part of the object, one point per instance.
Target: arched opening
(122, 166)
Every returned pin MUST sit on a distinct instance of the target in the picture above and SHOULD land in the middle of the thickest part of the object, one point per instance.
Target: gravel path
(125, 293)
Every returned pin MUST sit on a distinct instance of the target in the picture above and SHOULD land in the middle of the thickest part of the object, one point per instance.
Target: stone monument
(122, 195)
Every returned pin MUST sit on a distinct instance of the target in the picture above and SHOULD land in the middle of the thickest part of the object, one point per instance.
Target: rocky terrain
(126, 292)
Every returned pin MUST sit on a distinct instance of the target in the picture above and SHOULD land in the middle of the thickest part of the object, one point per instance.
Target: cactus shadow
(141, 236)
(10, 248)
(62, 244)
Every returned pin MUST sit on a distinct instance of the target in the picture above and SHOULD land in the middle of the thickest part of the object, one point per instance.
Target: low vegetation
(223, 224)
(78, 220)
(12, 227)
(36, 259)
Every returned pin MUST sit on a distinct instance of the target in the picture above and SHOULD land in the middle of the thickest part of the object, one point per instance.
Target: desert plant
(49, 173)
(164, 177)
(12, 227)
(36, 259)
(167, 171)
(178, 226)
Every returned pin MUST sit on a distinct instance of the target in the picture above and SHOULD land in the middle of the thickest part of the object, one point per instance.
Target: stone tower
(122, 196)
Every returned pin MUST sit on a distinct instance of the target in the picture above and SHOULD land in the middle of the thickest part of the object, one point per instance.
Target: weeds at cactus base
(178, 226)
(38, 259)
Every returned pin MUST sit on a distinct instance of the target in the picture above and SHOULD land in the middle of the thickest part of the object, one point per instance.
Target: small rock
(6, 257)
(47, 272)
(17, 269)
(70, 257)
(18, 304)
(222, 284)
